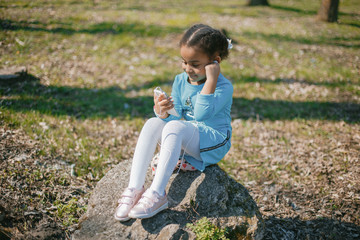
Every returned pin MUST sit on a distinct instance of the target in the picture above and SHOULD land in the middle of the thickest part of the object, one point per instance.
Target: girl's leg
(176, 135)
(149, 137)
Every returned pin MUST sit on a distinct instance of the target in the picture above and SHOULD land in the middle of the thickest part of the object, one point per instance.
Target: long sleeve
(208, 105)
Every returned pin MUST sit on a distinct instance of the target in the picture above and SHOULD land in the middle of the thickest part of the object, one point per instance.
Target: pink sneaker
(128, 199)
(150, 204)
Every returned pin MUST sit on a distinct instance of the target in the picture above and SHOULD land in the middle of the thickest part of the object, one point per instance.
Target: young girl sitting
(203, 97)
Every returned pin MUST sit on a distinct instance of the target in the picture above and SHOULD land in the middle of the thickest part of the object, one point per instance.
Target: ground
(88, 69)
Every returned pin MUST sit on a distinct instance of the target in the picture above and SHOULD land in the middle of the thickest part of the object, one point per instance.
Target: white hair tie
(230, 46)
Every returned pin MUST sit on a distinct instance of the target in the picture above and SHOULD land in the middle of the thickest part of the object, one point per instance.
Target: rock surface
(192, 195)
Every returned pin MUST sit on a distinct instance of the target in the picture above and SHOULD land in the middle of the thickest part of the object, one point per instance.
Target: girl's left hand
(212, 71)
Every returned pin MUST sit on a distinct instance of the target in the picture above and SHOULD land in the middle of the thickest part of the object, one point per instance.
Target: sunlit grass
(98, 60)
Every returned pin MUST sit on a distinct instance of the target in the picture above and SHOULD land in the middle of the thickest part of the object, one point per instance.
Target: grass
(205, 230)
(92, 66)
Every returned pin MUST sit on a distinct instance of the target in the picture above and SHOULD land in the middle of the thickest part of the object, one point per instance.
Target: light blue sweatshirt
(211, 114)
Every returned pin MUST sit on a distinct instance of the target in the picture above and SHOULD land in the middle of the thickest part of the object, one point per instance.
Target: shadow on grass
(306, 12)
(292, 9)
(28, 94)
(136, 28)
(351, 24)
(345, 42)
(254, 79)
(323, 228)
(280, 110)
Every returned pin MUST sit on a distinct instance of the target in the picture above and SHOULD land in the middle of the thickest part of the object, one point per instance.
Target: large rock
(192, 195)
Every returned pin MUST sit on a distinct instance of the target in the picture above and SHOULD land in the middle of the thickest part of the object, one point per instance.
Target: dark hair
(206, 38)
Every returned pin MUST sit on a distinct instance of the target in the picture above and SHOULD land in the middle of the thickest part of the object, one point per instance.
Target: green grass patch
(92, 66)
(205, 230)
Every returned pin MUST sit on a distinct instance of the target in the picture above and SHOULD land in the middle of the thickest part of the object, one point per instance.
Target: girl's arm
(208, 105)
(212, 98)
(212, 75)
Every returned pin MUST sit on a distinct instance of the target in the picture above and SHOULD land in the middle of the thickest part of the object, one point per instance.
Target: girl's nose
(188, 68)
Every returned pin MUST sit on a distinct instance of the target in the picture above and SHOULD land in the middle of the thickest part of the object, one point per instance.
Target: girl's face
(194, 62)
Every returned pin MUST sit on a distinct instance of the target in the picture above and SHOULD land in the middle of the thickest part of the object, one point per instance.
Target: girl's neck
(196, 83)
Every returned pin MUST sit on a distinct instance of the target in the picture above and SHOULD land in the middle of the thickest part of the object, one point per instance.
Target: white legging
(175, 136)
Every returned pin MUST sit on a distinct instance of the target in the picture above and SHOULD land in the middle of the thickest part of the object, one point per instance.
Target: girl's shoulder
(224, 82)
(180, 80)
(181, 77)
(223, 79)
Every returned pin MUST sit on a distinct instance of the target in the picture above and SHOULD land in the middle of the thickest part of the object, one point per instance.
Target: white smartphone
(158, 91)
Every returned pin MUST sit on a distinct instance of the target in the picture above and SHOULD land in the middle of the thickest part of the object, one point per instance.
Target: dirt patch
(36, 191)
(306, 185)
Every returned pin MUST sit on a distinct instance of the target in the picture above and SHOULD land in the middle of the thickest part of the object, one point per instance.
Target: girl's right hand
(162, 105)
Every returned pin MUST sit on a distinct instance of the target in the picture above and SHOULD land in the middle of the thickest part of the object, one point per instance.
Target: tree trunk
(328, 10)
(257, 3)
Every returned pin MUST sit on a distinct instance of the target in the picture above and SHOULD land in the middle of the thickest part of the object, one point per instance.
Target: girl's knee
(154, 124)
(174, 126)
(153, 120)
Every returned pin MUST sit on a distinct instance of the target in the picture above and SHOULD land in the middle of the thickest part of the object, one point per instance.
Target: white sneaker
(149, 205)
(128, 199)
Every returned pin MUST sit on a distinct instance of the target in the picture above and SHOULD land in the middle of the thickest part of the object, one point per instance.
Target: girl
(203, 97)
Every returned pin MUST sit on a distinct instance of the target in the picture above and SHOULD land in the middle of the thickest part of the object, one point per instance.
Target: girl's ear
(217, 58)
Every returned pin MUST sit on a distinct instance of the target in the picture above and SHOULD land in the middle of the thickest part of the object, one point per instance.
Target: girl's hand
(212, 71)
(162, 105)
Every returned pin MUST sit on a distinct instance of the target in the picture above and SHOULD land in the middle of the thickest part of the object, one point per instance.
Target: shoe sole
(149, 215)
(121, 219)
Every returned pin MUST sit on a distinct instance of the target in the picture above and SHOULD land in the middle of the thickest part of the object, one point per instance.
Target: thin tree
(328, 11)
(257, 3)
